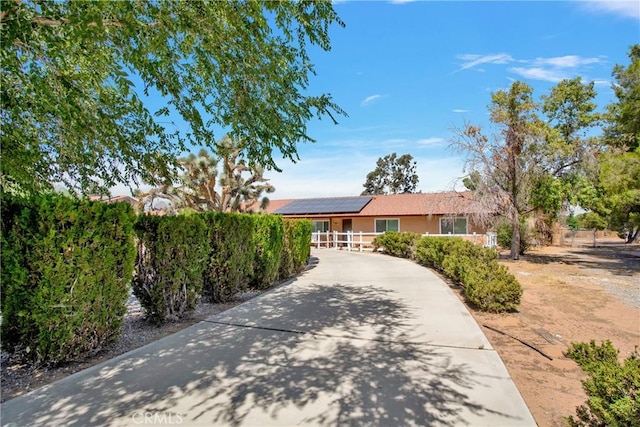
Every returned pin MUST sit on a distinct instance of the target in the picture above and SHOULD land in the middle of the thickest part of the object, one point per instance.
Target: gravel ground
(18, 378)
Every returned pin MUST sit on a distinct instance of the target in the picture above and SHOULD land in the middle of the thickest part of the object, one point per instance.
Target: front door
(346, 225)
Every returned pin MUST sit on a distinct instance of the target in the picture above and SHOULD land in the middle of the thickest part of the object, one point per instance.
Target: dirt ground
(570, 294)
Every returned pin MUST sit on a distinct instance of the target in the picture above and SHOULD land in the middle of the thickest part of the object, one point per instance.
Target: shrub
(268, 237)
(503, 235)
(613, 389)
(66, 270)
(490, 287)
(233, 255)
(487, 284)
(297, 248)
(397, 244)
(172, 257)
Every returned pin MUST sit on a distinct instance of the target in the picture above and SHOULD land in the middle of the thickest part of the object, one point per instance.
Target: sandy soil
(570, 295)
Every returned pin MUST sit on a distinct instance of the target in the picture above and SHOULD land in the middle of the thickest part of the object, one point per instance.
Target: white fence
(358, 240)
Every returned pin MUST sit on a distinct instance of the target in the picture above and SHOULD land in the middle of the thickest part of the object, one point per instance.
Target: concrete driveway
(358, 339)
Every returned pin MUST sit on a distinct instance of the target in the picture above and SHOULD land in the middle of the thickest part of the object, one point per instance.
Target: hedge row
(68, 268)
(66, 274)
(488, 285)
(215, 255)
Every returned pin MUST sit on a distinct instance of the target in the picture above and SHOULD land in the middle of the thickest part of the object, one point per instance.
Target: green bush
(504, 234)
(491, 287)
(233, 255)
(297, 247)
(66, 270)
(397, 244)
(487, 284)
(613, 389)
(268, 237)
(172, 257)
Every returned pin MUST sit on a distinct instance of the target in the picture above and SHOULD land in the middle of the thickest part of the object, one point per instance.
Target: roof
(334, 205)
(406, 204)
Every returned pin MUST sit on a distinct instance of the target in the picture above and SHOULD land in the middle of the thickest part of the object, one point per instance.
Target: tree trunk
(633, 235)
(515, 237)
(595, 232)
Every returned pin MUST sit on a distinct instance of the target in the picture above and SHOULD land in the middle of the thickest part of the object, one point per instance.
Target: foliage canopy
(71, 112)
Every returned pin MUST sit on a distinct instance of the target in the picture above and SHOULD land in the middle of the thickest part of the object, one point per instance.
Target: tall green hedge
(66, 270)
(172, 256)
(268, 237)
(488, 285)
(297, 246)
(233, 255)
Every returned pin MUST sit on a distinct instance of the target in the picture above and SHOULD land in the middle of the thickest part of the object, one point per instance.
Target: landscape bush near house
(613, 389)
(487, 285)
(296, 250)
(398, 244)
(269, 242)
(172, 257)
(66, 270)
(232, 257)
(215, 255)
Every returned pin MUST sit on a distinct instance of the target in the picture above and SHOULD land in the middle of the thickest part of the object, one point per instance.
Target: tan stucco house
(447, 213)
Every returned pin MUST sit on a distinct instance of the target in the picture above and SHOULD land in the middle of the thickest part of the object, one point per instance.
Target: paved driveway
(358, 339)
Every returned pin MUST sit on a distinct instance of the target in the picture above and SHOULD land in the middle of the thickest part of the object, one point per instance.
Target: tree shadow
(348, 359)
(619, 260)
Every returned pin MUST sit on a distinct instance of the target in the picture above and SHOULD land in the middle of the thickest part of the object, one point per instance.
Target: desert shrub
(487, 284)
(503, 235)
(296, 248)
(430, 251)
(232, 255)
(268, 237)
(172, 256)
(397, 244)
(490, 286)
(66, 270)
(613, 389)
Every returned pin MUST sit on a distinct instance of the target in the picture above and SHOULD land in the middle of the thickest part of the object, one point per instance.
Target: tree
(201, 187)
(530, 165)
(71, 112)
(619, 173)
(623, 128)
(392, 175)
(501, 169)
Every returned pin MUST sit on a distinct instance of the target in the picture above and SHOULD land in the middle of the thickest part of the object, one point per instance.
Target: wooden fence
(359, 240)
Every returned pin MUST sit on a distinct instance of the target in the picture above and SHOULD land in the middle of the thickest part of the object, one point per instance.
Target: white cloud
(471, 60)
(602, 82)
(627, 9)
(537, 73)
(401, 1)
(431, 141)
(568, 61)
(458, 110)
(369, 99)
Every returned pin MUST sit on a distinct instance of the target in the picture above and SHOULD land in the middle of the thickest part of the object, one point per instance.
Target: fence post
(360, 240)
(335, 239)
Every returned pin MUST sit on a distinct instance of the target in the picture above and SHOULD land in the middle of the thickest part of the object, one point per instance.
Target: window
(453, 225)
(320, 225)
(383, 225)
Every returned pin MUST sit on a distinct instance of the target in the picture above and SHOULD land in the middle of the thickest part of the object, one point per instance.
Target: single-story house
(447, 213)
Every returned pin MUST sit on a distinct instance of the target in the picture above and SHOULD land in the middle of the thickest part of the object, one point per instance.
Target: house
(447, 213)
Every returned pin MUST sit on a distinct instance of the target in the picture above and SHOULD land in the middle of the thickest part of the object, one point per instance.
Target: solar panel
(324, 206)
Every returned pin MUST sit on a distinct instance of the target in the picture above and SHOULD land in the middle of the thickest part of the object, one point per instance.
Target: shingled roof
(407, 204)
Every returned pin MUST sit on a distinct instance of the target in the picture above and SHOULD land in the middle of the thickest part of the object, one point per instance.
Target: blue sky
(407, 72)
